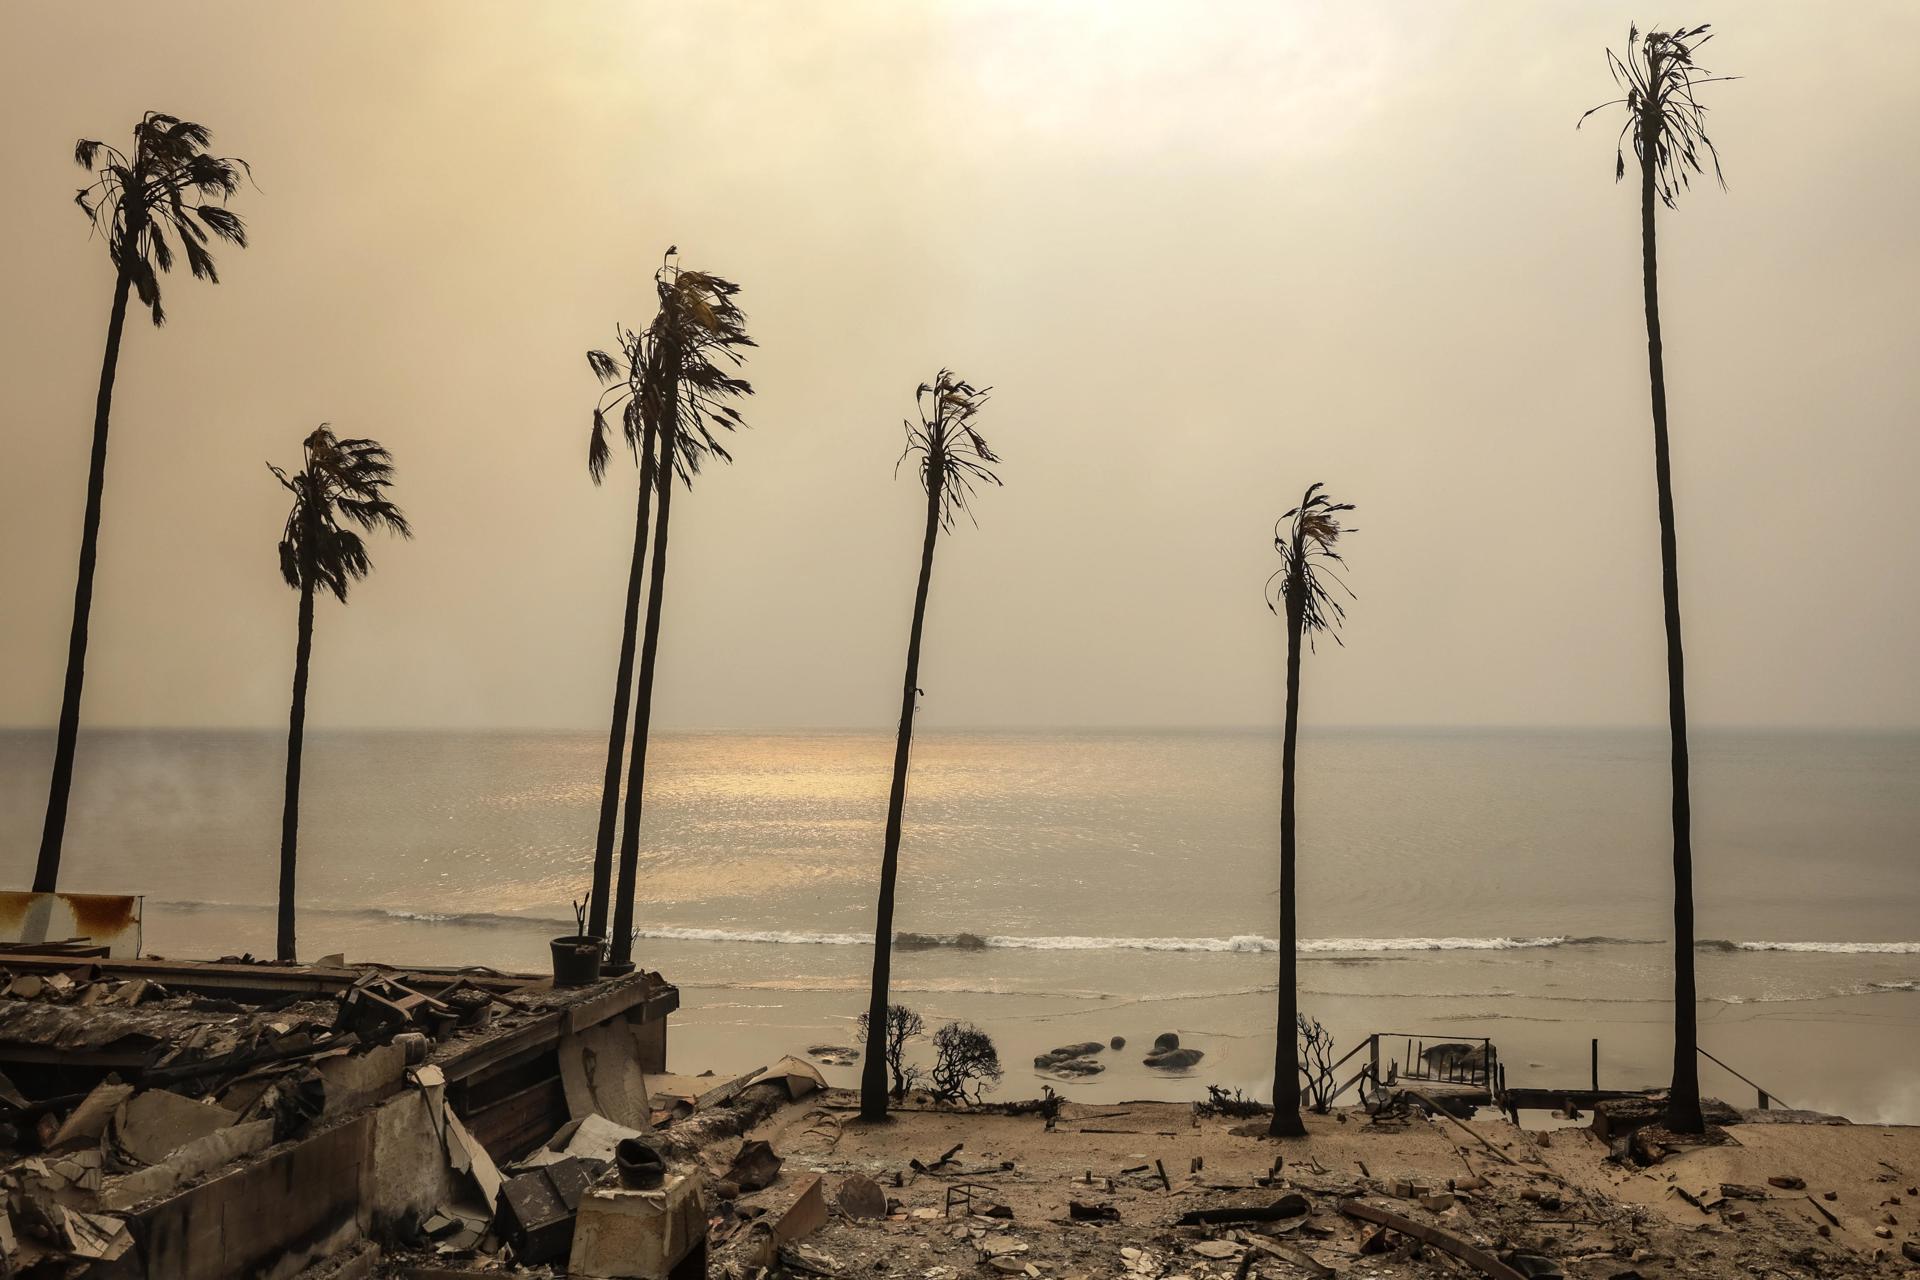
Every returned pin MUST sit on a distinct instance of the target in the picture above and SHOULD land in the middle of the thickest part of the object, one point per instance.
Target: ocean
(1063, 887)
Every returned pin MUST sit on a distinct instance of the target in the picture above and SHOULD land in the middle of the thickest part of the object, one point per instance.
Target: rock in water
(1164, 1041)
(835, 1055)
(1174, 1059)
(1118, 1042)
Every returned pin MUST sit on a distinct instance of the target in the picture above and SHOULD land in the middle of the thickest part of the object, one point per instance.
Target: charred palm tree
(698, 335)
(1299, 592)
(166, 192)
(623, 377)
(342, 481)
(1666, 123)
(952, 457)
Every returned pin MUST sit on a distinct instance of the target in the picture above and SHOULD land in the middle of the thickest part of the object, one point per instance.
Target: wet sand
(1825, 1055)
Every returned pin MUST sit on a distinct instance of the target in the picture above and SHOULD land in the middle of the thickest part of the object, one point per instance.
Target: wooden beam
(1450, 1119)
(617, 1000)
(1558, 1099)
(1445, 1241)
(264, 979)
(491, 1053)
(511, 1126)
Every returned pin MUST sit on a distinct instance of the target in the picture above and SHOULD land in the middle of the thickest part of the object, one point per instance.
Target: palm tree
(1307, 557)
(1667, 125)
(341, 478)
(624, 378)
(168, 184)
(698, 334)
(953, 457)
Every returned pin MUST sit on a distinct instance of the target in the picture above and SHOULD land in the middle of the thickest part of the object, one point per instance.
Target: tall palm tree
(698, 334)
(1298, 591)
(341, 479)
(1667, 125)
(167, 185)
(953, 457)
(623, 377)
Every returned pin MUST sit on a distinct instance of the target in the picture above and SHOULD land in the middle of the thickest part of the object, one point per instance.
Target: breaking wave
(1248, 943)
(1822, 948)
(781, 936)
(1245, 943)
(483, 919)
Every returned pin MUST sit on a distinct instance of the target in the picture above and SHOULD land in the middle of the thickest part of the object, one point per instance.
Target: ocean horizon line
(1004, 730)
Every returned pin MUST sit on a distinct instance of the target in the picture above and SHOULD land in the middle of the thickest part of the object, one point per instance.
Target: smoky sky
(1204, 254)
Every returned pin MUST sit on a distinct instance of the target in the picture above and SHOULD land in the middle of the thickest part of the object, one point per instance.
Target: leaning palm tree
(1299, 592)
(952, 457)
(684, 392)
(1667, 125)
(623, 376)
(167, 186)
(341, 479)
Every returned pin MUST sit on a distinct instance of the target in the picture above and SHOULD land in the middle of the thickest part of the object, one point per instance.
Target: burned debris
(145, 1104)
(203, 1120)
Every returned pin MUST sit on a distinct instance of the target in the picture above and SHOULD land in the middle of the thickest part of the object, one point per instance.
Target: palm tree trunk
(296, 736)
(622, 698)
(1683, 1101)
(620, 945)
(46, 874)
(873, 1074)
(1286, 1047)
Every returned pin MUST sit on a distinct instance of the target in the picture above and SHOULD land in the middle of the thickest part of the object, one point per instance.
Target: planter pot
(440, 1023)
(640, 1165)
(576, 960)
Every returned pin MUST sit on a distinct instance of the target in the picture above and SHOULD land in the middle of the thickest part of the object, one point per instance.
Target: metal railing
(1464, 1060)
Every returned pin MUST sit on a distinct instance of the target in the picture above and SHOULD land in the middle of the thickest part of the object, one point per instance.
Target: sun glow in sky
(1204, 254)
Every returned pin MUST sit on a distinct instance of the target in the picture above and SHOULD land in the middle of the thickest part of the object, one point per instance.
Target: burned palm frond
(168, 185)
(340, 479)
(674, 373)
(1305, 538)
(623, 377)
(1665, 118)
(952, 453)
(699, 335)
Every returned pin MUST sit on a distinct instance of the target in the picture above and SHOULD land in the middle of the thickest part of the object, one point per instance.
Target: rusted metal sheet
(110, 920)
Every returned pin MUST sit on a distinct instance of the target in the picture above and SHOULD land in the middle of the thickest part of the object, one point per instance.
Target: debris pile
(123, 1099)
(81, 985)
(1096, 1195)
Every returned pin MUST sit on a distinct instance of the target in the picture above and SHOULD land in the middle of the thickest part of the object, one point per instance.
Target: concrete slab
(153, 1125)
(621, 1232)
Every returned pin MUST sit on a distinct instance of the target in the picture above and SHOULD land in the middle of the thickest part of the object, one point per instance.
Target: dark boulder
(1174, 1059)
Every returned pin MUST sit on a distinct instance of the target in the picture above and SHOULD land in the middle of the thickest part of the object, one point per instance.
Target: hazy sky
(1205, 254)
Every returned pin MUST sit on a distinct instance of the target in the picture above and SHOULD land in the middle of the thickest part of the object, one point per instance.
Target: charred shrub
(965, 1063)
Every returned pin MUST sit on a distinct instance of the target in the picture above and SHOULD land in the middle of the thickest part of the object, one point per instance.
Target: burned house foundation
(180, 1121)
